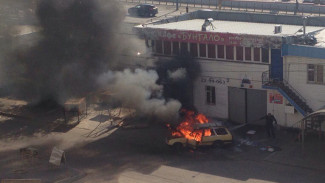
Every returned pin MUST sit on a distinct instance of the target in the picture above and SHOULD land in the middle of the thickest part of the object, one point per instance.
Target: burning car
(195, 130)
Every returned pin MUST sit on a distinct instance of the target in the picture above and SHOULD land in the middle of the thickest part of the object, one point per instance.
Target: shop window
(248, 53)
(230, 52)
(257, 54)
(211, 51)
(265, 55)
(159, 46)
(239, 53)
(184, 49)
(176, 48)
(315, 73)
(193, 50)
(210, 95)
(203, 52)
(221, 51)
(167, 47)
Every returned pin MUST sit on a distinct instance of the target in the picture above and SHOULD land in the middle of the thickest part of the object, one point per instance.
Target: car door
(208, 138)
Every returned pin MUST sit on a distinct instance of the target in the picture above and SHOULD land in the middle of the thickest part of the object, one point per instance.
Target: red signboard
(211, 37)
(276, 98)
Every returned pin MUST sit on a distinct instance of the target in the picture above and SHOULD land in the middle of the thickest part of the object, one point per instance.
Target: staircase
(288, 92)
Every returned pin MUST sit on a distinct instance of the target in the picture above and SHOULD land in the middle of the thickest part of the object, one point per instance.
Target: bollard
(319, 12)
(186, 9)
(201, 4)
(209, 3)
(246, 6)
(230, 5)
(262, 8)
(194, 3)
(254, 6)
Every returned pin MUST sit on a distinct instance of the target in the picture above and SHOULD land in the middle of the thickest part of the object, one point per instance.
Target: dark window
(257, 54)
(320, 73)
(230, 52)
(184, 48)
(176, 48)
(159, 46)
(248, 53)
(221, 131)
(265, 55)
(211, 95)
(167, 47)
(239, 53)
(212, 132)
(311, 72)
(221, 51)
(193, 48)
(211, 51)
(203, 52)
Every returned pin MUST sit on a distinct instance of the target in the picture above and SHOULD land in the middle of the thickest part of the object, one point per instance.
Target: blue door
(276, 65)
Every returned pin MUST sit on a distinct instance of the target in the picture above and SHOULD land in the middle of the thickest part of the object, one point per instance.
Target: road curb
(73, 178)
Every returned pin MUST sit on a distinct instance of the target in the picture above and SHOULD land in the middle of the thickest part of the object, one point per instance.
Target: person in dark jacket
(269, 119)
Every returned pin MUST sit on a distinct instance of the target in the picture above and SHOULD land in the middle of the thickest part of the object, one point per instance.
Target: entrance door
(276, 65)
(247, 105)
(236, 104)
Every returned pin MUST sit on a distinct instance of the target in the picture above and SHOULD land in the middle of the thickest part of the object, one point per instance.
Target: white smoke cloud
(138, 89)
(178, 74)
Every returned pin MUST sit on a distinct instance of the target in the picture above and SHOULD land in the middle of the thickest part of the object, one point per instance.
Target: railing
(286, 83)
(265, 77)
(248, 6)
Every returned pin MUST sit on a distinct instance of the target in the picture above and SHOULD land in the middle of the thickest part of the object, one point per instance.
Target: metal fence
(247, 6)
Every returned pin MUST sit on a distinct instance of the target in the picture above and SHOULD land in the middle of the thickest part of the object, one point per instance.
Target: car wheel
(218, 144)
(178, 147)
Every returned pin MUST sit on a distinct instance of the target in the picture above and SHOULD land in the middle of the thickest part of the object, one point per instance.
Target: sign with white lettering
(212, 38)
(57, 156)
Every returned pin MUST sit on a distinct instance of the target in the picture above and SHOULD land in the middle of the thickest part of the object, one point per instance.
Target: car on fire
(146, 10)
(212, 135)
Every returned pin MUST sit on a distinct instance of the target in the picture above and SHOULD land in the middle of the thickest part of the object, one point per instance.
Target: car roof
(208, 125)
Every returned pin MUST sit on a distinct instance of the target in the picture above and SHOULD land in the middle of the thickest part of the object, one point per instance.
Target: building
(235, 58)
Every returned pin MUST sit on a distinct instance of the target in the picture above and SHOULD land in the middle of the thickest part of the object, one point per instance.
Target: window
(167, 47)
(257, 54)
(265, 55)
(239, 53)
(230, 52)
(211, 51)
(159, 46)
(193, 48)
(203, 52)
(176, 48)
(221, 131)
(211, 95)
(315, 73)
(248, 53)
(184, 48)
(221, 51)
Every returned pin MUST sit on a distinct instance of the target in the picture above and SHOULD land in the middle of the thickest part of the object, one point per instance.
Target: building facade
(234, 58)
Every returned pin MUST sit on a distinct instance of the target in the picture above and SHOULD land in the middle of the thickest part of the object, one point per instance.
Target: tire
(178, 147)
(218, 144)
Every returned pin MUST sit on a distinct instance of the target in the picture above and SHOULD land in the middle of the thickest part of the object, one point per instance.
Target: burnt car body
(145, 10)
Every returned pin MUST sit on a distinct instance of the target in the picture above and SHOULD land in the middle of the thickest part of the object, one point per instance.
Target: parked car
(147, 10)
(218, 137)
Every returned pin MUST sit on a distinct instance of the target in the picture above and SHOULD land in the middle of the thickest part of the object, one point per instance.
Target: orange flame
(186, 127)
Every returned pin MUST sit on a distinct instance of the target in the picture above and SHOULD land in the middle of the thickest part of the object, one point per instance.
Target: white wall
(295, 72)
(223, 74)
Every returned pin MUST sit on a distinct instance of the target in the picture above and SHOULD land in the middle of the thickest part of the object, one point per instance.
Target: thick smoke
(78, 42)
(177, 76)
(138, 89)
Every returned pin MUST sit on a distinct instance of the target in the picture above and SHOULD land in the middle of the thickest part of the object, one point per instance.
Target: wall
(295, 72)
(224, 74)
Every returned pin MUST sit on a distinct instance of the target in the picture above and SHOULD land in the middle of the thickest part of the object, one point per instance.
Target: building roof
(248, 28)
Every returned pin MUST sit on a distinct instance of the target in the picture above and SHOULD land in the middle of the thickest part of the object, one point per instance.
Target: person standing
(269, 119)
(296, 8)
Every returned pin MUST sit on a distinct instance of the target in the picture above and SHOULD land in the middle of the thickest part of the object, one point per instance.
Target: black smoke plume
(77, 43)
(177, 75)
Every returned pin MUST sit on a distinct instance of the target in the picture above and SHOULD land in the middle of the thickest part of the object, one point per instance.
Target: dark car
(147, 10)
